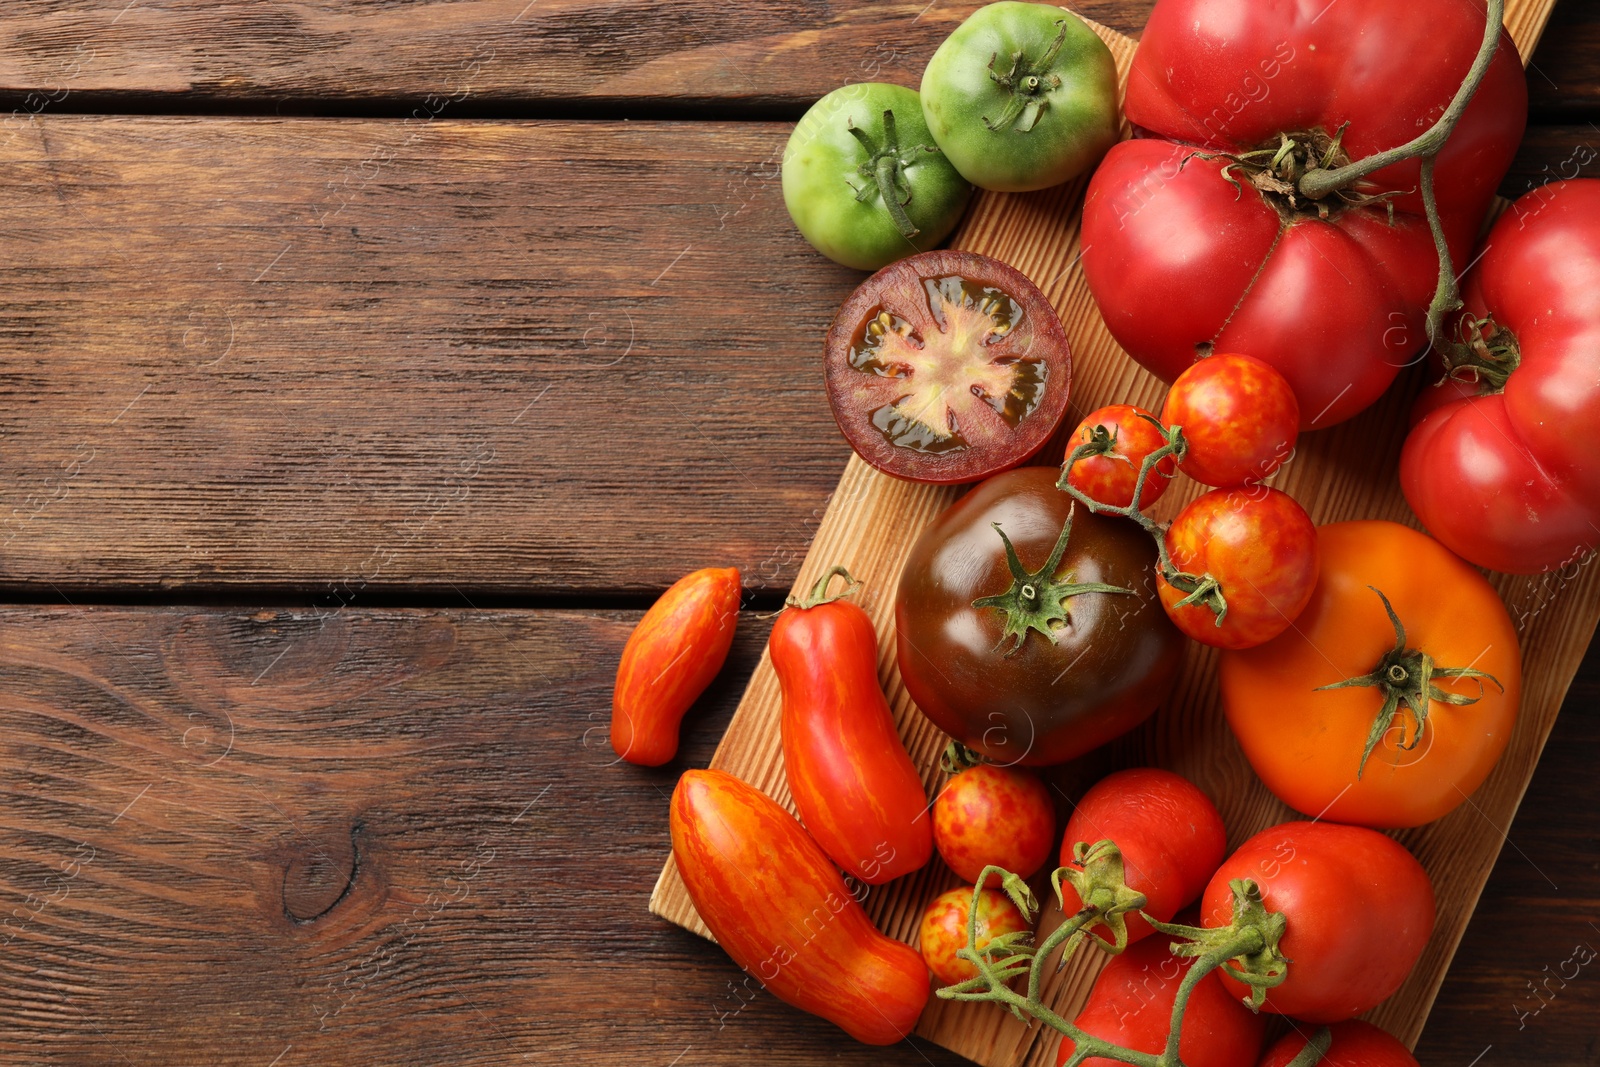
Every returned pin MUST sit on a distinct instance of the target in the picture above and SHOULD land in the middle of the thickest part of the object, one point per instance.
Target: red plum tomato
(1358, 908)
(1354, 1044)
(1131, 1005)
(1168, 831)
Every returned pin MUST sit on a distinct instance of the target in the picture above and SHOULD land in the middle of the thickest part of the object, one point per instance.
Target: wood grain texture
(233, 835)
(335, 355)
(346, 356)
(1343, 473)
(770, 54)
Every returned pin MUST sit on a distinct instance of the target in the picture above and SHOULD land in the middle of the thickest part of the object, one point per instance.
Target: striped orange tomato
(777, 905)
(670, 658)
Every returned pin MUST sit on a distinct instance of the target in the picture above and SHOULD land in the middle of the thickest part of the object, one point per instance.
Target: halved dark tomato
(947, 367)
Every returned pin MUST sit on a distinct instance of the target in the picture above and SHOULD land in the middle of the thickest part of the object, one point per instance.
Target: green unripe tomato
(864, 180)
(1022, 96)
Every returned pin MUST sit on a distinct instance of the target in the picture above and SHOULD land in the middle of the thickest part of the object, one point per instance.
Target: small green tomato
(864, 180)
(1022, 96)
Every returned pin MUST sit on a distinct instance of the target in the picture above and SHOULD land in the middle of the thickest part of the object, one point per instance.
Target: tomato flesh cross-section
(947, 367)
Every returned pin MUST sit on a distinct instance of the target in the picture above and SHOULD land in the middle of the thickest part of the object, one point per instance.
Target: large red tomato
(1186, 254)
(1359, 910)
(1508, 479)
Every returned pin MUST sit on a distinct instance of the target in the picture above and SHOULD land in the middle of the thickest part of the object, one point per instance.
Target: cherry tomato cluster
(1314, 920)
(1238, 563)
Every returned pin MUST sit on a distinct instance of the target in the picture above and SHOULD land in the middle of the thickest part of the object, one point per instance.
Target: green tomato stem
(1250, 942)
(1316, 184)
(1405, 676)
(1199, 588)
(819, 592)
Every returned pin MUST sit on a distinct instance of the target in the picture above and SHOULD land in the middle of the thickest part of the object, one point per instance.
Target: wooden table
(367, 369)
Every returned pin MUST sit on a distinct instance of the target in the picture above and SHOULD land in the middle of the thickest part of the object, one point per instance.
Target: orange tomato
(1306, 741)
(994, 815)
(944, 930)
(670, 658)
(777, 905)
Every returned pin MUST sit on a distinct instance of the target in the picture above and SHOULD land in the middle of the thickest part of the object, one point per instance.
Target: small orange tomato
(670, 658)
(1128, 435)
(780, 908)
(1377, 750)
(944, 930)
(994, 815)
(1261, 549)
(1239, 415)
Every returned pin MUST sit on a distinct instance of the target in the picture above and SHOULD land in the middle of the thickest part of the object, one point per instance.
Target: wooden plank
(766, 54)
(500, 53)
(316, 375)
(1346, 472)
(337, 355)
(149, 868)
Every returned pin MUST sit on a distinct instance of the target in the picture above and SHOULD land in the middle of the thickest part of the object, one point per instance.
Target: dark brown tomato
(1030, 698)
(946, 367)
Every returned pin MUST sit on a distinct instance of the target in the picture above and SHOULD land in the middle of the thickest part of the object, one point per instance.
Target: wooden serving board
(1346, 472)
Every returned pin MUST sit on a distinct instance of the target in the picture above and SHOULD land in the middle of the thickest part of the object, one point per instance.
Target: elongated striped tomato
(778, 907)
(856, 788)
(670, 658)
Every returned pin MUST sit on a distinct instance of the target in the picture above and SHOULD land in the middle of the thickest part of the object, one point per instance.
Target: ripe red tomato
(1095, 666)
(1316, 758)
(1131, 1005)
(944, 930)
(1187, 254)
(1240, 417)
(1169, 832)
(947, 367)
(1355, 1044)
(852, 780)
(1506, 479)
(1359, 910)
(1130, 435)
(1261, 546)
(671, 656)
(777, 905)
(994, 815)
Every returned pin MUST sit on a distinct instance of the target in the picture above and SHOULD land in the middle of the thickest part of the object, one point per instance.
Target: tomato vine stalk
(1247, 947)
(1197, 588)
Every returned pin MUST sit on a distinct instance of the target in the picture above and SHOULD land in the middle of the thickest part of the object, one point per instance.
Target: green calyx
(1486, 355)
(884, 169)
(1037, 600)
(1405, 676)
(819, 592)
(1246, 949)
(958, 757)
(1101, 884)
(1029, 81)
